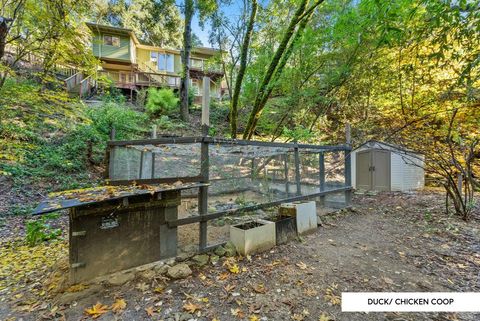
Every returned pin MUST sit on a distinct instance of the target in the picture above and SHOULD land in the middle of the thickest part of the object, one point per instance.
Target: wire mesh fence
(244, 177)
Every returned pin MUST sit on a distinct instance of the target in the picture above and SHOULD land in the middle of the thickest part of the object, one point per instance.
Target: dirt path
(388, 242)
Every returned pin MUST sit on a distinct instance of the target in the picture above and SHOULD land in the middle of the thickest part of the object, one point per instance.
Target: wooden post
(205, 161)
(348, 165)
(297, 171)
(154, 131)
(285, 168)
(206, 103)
(321, 168)
(111, 155)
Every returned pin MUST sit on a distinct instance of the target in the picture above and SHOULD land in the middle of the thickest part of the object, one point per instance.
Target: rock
(220, 251)
(120, 278)
(161, 268)
(147, 274)
(214, 259)
(230, 249)
(183, 256)
(201, 259)
(179, 271)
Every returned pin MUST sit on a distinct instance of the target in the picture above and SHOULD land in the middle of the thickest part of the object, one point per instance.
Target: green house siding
(101, 50)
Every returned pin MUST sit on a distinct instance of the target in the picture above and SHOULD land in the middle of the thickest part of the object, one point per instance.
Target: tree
(50, 30)
(278, 62)
(155, 22)
(187, 47)
(205, 8)
(241, 71)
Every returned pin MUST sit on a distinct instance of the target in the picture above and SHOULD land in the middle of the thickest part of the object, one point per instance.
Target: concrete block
(248, 240)
(306, 215)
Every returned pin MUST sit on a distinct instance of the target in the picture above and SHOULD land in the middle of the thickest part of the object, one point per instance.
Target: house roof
(114, 30)
(126, 31)
(393, 146)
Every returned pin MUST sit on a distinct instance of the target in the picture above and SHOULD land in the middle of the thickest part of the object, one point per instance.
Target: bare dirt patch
(386, 242)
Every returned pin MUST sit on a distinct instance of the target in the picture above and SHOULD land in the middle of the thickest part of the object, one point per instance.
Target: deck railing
(138, 78)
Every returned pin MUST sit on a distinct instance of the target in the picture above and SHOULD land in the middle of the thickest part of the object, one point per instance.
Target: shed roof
(391, 145)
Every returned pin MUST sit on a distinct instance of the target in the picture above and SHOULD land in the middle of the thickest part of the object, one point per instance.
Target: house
(381, 166)
(133, 65)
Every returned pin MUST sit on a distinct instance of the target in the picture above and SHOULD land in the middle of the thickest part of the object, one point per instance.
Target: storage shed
(380, 166)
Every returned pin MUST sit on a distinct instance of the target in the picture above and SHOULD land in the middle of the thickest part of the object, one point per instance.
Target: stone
(214, 259)
(147, 274)
(179, 271)
(161, 268)
(183, 256)
(220, 251)
(230, 249)
(120, 278)
(201, 259)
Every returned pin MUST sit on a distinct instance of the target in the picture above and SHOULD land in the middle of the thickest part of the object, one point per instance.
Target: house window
(196, 63)
(165, 62)
(111, 41)
(153, 56)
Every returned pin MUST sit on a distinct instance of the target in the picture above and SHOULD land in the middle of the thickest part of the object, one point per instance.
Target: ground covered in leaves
(386, 242)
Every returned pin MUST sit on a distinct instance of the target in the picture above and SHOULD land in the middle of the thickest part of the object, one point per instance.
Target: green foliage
(298, 134)
(40, 230)
(46, 136)
(165, 123)
(141, 98)
(161, 102)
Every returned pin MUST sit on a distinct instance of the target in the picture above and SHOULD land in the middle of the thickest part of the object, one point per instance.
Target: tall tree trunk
(241, 71)
(187, 47)
(278, 63)
(273, 65)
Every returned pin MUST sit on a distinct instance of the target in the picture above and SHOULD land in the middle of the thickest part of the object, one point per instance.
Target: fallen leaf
(191, 307)
(229, 287)
(310, 292)
(97, 310)
(297, 317)
(223, 276)
(253, 317)
(150, 311)
(324, 317)
(234, 269)
(301, 265)
(259, 288)
(237, 313)
(119, 305)
(142, 286)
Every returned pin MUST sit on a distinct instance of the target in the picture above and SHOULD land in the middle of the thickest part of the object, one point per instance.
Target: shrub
(38, 231)
(161, 102)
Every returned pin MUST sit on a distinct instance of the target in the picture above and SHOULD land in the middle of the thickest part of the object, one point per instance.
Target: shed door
(381, 170)
(373, 170)
(363, 174)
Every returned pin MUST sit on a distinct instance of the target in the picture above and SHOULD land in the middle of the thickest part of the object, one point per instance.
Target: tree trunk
(280, 60)
(241, 71)
(187, 47)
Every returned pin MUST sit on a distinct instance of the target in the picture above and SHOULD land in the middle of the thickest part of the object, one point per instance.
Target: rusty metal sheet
(96, 195)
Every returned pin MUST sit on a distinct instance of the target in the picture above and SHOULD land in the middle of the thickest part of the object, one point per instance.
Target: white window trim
(112, 45)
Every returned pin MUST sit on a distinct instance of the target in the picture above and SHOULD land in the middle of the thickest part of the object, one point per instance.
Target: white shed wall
(396, 172)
